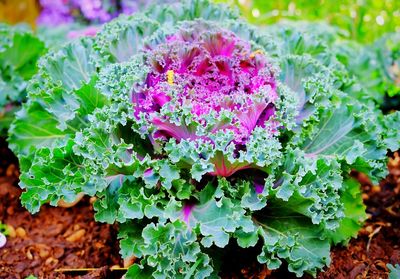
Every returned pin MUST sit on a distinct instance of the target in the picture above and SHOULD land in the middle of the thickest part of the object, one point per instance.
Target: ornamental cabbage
(194, 129)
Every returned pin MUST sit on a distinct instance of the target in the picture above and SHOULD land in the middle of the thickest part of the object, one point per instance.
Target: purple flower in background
(90, 31)
(258, 184)
(59, 12)
(55, 12)
(132, 6)
(95, 10)
(129, 7)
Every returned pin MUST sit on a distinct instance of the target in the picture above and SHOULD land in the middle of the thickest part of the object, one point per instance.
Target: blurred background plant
(19, 52)
(58, 12)
(365, 20)
(56, 21)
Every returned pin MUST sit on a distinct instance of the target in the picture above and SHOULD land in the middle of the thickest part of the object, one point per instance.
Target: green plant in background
(387, 50)
(372, 70)
(19, 53)
(365, 20)
(4, 229)
(3, 233)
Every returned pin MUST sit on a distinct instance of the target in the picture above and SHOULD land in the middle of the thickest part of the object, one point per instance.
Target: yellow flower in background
(12, 11)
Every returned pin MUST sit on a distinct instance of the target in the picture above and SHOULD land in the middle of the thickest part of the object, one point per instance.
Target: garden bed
(70, 238)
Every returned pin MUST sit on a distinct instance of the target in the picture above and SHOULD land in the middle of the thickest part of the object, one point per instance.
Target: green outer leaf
(294, 239)
(19, 53)
(139, 272)
(354, 210)
(6, 118)
(391, 136)
(309, 186)
(394, 271)
(34, 127)
(170, 249)
(23, 53)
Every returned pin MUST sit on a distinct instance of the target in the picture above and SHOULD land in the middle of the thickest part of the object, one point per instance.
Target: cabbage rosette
(195, 129)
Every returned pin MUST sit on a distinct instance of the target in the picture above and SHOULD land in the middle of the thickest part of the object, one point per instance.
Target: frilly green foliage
(19, 53)
(77, 134)
(371, 70)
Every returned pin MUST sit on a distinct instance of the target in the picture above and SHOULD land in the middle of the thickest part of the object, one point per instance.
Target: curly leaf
(294, 239)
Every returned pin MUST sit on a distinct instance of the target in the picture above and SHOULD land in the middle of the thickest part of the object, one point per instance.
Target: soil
(70, 238)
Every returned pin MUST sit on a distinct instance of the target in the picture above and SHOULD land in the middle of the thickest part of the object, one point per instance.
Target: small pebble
(10, 210)
(10, 170)
(98, 245)
(369, 229)
(58, 252)
(29, 254)
(11, 231)
(44, 250)
(3, 240)
(92, 200)
(376, 189)
(51, 261)
(76, 236)
(20, 232)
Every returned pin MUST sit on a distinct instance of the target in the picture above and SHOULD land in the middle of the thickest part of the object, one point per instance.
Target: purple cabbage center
(209, 73)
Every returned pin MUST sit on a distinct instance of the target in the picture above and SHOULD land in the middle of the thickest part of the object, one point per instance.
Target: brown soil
(378, 242)
(70, 238)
